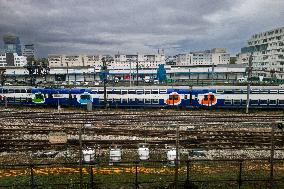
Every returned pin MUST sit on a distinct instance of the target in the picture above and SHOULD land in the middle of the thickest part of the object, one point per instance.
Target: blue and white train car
(148, 96)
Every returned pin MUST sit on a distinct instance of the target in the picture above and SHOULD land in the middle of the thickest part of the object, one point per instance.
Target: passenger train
(148, 96)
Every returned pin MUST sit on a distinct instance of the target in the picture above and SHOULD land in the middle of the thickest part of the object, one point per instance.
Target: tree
(2, 76)
(37, 68)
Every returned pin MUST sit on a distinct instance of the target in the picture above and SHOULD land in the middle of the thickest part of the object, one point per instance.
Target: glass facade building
(12, 44)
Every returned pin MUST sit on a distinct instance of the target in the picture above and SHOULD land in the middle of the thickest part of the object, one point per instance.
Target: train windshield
(85, 97)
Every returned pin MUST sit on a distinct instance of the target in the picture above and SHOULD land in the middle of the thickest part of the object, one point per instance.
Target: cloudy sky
(131, 26)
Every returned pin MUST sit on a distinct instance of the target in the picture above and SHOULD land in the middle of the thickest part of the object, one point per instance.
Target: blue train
(148, 96)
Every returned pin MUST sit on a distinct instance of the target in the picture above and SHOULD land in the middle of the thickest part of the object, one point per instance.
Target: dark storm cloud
(131, 26)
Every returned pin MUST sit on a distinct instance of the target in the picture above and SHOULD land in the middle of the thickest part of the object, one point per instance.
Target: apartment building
(267, 50)
(215, 56)
(76, 60)
(12, 60)
(143, 61)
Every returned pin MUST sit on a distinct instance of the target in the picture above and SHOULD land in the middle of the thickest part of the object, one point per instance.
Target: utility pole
(67, 72)
(248, 82)
(177, 157)
(130, 74)
(104, 81)
(137, 82)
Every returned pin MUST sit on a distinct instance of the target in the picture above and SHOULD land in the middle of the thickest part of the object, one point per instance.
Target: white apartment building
(75, 60)
(143, 61)
(215, 56)
(3, 62)
(14, 60)
(267, 49)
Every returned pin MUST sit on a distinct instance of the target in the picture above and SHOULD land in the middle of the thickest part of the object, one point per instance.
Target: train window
(281, 102)
(131, 92)
(11, 91)
(228, 102)
(17, 91)
(109, 92)
(29, 91)
(116, 100)
(254, 91)
(163, 91)
(10, 99)
(219, 91)
(124, 100)
(254, 102)
(140, 92)
(23, 90)
(173, 97)
(123, 92)
(101, 92)
(263, 102)
(50, 95)
(147, 101)
(1, 90)
(281, 91)
(5, 90)
(185, 96)
(272, 102)
(205, 97)
(131, 100)
(228, 92)
(155, 91)
(155, 101)
(94, 91)
(140, 100)
(244, 102)
(18, 99)
(238, 91)
(263, 91)
(237, 102)
(70, 96)
(212, 98)
(116, 92)
(273, 91)
(147, 92)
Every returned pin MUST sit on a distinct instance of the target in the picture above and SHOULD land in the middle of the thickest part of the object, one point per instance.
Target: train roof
(145, 87)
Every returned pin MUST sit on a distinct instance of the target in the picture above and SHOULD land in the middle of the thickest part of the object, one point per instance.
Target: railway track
(29, 130)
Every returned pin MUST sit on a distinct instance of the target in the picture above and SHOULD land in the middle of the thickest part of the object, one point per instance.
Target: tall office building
(12, 44)
(29, 51)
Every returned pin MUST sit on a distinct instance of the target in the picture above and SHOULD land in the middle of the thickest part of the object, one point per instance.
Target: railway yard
(220, 134)
(212, 144)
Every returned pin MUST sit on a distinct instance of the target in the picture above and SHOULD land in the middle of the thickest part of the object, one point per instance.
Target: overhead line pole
(248, 83)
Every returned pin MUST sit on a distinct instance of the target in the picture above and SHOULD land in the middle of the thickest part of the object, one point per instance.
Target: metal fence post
(91, 177)
(32, 176)
(240, 174)
(136, 176)
(187, 170)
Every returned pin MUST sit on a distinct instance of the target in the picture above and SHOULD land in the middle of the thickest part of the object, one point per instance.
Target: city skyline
(144, 26)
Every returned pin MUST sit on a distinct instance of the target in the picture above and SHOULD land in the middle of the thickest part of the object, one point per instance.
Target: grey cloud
(135, 25)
